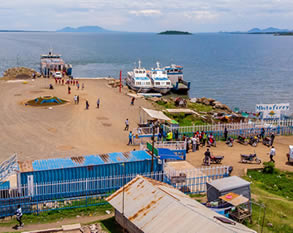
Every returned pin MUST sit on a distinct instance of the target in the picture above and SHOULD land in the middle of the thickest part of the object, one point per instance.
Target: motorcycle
(216, 159)
(211, 142)
(230, 141)
(253, 141)
(267, 141)
(251, 158)
(242, 140)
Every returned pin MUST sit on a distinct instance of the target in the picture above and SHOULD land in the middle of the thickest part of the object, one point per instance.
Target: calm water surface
(239, 70)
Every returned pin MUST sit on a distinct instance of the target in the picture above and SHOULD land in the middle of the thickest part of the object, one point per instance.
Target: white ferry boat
(137, 80)
(175, 75)
(51, 63)
(160, 80)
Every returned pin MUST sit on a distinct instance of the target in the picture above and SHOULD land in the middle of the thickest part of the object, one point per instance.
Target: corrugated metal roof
(157, 207)
(81, 161)
(228, 183)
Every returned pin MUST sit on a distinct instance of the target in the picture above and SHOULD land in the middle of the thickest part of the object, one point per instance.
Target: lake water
(238, 70)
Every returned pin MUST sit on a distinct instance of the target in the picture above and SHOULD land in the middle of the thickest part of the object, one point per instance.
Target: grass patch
(279, 183)
(275, 192)
(186, 120)
(59, 215)
(111, 225)
(200, 107)
(166, 105)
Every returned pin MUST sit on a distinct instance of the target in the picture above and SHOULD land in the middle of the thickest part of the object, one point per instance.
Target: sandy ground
(66, 130)
(70, 130)
(232, 154)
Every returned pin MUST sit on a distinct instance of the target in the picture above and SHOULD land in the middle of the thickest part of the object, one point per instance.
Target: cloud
(145, 12)
(201, 15)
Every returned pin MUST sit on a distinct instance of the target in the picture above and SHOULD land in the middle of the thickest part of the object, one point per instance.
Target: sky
(147, 16)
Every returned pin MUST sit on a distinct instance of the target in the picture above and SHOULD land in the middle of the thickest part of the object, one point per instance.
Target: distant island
(84, 29)
(270, 30)
(174, 33)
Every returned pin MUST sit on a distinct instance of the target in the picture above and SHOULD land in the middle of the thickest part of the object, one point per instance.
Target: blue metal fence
(35, 198)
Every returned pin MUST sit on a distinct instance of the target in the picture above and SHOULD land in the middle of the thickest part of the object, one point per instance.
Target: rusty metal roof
(154, 206)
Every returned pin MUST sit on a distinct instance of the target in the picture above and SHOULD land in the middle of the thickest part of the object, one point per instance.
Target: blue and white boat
(160, 80)
(175, 75)
(137, 80)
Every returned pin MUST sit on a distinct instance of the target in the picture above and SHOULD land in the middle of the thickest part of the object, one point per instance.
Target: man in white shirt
(272, 154)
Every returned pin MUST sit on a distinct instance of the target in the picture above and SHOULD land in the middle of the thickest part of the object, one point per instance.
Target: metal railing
(60, 195)
(176, 145)
(281, 127)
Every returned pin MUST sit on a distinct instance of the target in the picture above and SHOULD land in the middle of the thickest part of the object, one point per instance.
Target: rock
(193, 100)
(204, 100)
(92, 227)
(85, 230)
(77, 216)
(108, 212)
(164, 100)
(180, 102)
(270, 224)
(211, 101)
(155, 99)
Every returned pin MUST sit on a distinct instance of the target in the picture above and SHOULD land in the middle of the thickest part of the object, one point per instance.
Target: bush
(269, 167)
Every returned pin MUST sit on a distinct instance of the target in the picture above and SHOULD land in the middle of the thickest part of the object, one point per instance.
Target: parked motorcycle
(230, 141)
(253, 141)
(217, 159)
(212, 142)
(267, 141)
(242, 140)
(251, 158)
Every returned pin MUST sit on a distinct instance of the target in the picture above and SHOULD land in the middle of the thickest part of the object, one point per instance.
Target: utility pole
(153, 147)
(120, 81)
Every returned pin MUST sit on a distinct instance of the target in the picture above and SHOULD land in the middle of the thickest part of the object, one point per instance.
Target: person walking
(204, 139)
(207, 157)
(77, 85)
(130, 138)
(126, 125)
(262, 133)
(272, 154)
(87, 105)
(225, 134)
(197, 142)
(98, 103)
(77, 99)
(193, 142)
(132, 101)
(18, 215)
(82, 86)
(272, 139)
(69, 90)
(187, 144)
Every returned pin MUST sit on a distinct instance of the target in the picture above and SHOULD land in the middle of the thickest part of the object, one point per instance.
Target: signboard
(178, 179)
(272, 111)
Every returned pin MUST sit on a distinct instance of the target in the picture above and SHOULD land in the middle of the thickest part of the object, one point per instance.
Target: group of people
(68, 82)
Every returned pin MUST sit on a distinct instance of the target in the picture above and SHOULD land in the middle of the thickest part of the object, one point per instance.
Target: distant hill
(174, 33)
(267, 30)
(83, 29)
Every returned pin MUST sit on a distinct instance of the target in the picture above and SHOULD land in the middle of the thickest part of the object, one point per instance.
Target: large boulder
(193, 100)
(219, 105)
(203, 100)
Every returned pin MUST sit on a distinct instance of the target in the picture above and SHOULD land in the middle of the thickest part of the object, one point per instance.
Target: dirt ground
(70, 130)
(66, 130)
(232, 154)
